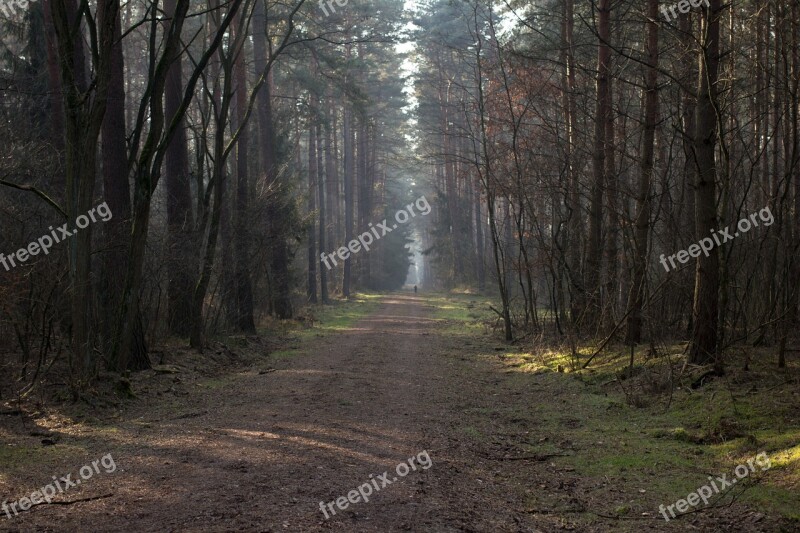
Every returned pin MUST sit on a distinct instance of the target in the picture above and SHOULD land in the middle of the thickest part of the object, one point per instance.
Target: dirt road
(438, 435)
(262, 450)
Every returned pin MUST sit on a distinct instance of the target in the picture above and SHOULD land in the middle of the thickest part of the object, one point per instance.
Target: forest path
(259, 449)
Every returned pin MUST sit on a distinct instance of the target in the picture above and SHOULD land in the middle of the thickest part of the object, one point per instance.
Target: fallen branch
(69, 502)
(623, 517)
(90, 499)
(525, 457)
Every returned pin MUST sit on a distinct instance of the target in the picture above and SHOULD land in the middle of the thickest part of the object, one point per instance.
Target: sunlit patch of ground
(647, 435)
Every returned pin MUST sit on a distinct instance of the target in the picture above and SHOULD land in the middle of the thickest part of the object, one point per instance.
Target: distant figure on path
(415, 289)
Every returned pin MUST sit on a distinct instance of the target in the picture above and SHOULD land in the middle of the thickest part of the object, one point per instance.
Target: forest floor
(230, 442)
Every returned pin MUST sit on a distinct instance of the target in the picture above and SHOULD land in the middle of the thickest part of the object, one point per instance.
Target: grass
(344, 314)
(473, 433)
(646, 432)
(651, 428)
(16, 460)
(320, 321)
(215, 383)
(285, 354)
(460, 311)
(18, 455)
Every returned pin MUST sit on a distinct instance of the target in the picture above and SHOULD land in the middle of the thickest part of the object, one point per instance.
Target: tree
(643, 201)
(706, 296)
(180, 220)
(116, 189)
(83, 124)
(313, 178)
(603, 106)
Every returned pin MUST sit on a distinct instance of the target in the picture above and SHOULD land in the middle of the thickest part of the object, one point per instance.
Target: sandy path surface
(261, 452)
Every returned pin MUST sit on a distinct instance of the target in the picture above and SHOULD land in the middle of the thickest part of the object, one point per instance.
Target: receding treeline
(564, 148)
(573, 143)
(226, 137)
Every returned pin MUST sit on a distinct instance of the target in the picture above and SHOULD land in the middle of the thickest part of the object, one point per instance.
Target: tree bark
(277, 208)
(180, 222)
(643, 205)
(311, 290)
(243, 285)
(332, 179)
(83, 124)
(349, 156)
(323, 219)
(706, 293)
(117, 194)
(594, 251)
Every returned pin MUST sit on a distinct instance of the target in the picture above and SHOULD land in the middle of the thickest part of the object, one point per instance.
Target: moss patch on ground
(651, 429)
(320, 321)
(344, 314)
(461, 311)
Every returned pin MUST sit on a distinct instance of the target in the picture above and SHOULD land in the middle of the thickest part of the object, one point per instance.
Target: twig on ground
(68, 502)
(80, 500)
(525, 457)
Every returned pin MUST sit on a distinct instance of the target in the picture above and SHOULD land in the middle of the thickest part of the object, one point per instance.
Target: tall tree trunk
(55, 88)
(323, 218)
(611, 282)
(706, 293)
(791, 155)
(480, 244)
(643, 205)
(83, 124)
(349, 164)
(363, 195)
(595, 245)
(245, 321)
(332, 178)
(312, 204)
(117, 194)
(278, 204)
(337, 185)
(577, 287)
(180, 223)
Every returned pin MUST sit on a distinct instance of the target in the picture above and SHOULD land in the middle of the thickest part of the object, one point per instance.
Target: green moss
(472, 432)
(781, 499)
(215, 383)
(284, 354)
(466, 308)
(344, 314)
(659, 442)
(13, 456)
(622, 510)
(681, 434)
(20, 456)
